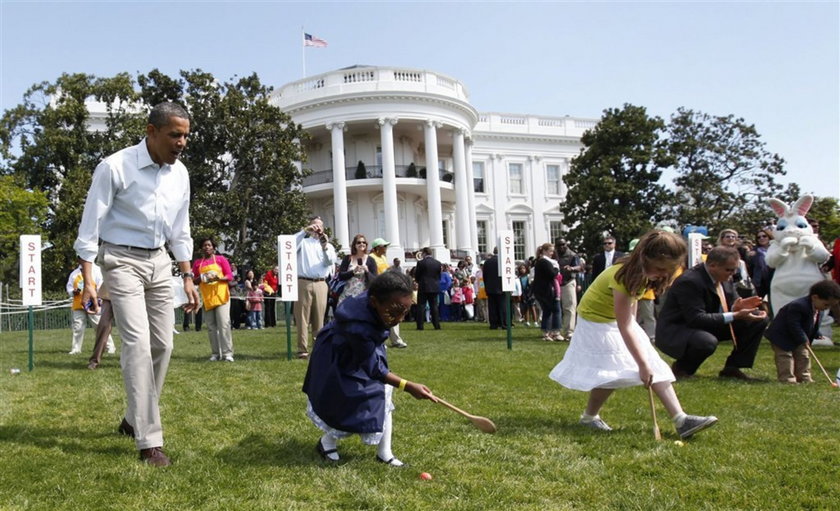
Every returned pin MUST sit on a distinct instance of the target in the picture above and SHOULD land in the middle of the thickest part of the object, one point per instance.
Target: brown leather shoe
(154, 457)
(126, 428)
(93, 365)
(734, 372)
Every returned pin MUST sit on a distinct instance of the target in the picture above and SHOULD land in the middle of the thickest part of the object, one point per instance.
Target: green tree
(612, 184)
(827, 211)
(52, 143)
(241, 157)
(724, 172)
(22, 211)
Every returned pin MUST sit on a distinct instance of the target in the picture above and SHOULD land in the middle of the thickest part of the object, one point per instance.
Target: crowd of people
(614, 312)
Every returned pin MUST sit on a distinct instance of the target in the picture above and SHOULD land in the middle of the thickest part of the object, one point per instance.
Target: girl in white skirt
(609, 350)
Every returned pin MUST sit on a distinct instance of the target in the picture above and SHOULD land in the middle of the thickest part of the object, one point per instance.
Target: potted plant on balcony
(412, 170)
(361, 171)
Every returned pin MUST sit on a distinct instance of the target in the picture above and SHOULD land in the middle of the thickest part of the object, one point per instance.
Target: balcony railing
(375, 172)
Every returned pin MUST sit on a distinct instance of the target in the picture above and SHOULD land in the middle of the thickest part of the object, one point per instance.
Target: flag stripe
(311, 40)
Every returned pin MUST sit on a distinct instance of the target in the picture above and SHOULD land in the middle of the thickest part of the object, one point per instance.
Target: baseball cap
(379, 242)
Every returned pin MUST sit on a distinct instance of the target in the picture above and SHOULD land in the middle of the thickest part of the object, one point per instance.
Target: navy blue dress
(347, 369)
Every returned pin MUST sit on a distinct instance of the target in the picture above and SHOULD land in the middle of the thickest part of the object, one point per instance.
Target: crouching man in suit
(702, 309)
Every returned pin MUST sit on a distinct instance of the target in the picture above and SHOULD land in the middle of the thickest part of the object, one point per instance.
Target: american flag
(311, 40)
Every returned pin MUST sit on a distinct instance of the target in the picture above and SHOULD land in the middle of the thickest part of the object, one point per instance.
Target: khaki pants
(140, 285)
(568, 301)
(793, 366)
(309, 311)
(218, 327)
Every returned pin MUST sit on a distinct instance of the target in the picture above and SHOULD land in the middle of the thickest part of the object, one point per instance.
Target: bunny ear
(779, 207)
(803, 204)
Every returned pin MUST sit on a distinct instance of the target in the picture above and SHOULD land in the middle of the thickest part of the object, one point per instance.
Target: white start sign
(287, 262)
(507, 261)
(30, 269)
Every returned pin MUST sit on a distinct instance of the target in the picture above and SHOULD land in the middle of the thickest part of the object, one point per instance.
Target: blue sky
(775, 64)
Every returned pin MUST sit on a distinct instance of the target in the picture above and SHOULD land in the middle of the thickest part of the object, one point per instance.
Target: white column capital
(431, 123)
(498, 156)
(339, 125)
(534, 157)
(390, 120)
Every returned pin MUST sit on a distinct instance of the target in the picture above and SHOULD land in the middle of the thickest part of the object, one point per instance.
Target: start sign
(507, 261)
(30, 269)
(287, 262)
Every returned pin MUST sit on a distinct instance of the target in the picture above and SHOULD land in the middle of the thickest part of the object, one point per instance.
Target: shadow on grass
(68, 440)
(259, 450)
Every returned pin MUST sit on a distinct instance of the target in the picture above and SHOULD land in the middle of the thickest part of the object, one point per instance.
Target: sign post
(30, 282)
(287, 262)
(507, 271)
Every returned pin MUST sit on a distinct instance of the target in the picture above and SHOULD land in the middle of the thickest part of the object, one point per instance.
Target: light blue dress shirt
(133, 201)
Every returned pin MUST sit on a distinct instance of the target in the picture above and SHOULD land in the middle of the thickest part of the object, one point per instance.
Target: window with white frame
(515, 181)
(446, 233)
(555, 231)
(478, 176)
(481, 230)
(518, 240)
(552, 178)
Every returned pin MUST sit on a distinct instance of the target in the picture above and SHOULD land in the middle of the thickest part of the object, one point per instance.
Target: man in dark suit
(693, 320)
(496, 305)
(607, 258)
(427, 275)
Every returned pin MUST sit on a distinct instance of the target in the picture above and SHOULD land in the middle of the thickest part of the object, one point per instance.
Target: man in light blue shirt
(316, 262)
(139, 200)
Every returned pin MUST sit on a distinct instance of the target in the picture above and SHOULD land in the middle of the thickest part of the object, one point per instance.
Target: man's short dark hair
(826, 290)
(427, 251)
(160, 114)
(720, 255)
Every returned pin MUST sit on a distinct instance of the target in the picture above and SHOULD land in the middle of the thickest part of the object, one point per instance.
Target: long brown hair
(655, 246)
(353, 244)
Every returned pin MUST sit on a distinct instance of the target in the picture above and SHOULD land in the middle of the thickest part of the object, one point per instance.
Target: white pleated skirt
(598, 358)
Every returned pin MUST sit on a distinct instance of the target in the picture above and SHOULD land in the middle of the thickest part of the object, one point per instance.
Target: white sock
(329, 442)
(584, 417)
(383, 451)
(679, 419)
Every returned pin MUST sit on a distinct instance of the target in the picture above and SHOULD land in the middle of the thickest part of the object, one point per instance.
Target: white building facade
(401, 154)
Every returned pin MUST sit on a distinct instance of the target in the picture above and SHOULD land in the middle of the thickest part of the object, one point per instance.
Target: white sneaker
(399, 343)
(74, 352)
(228, 358)
(597, 423)
(112, 350)
(214, 358)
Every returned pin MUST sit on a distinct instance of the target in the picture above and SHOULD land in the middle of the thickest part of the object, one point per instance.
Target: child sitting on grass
(609, 350)
(796, 324)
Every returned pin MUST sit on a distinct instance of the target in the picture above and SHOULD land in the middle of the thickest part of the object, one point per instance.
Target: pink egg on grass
(426, 476)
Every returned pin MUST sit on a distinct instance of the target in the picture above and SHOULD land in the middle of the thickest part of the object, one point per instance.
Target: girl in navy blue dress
(348, 381)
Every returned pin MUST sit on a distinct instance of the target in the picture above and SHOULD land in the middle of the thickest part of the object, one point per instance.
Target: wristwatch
(188, 275)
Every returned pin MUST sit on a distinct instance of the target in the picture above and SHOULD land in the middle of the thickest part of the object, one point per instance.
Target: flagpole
(303, 49)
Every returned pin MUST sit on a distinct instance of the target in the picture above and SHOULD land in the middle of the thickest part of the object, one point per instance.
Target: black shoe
(126, 428)
(324, 453)
(679, 373)
(154, 457)
(734, 372)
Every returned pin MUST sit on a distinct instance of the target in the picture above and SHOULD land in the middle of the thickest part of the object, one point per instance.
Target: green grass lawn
(239, 438)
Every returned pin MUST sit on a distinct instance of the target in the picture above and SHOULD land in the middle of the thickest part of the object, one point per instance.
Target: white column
(389, 190)
(471, 199)
(462, 200)
(433, 192)
(537, 194)
(342, 230)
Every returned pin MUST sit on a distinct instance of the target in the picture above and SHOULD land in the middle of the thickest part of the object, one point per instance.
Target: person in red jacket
(271, 279)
